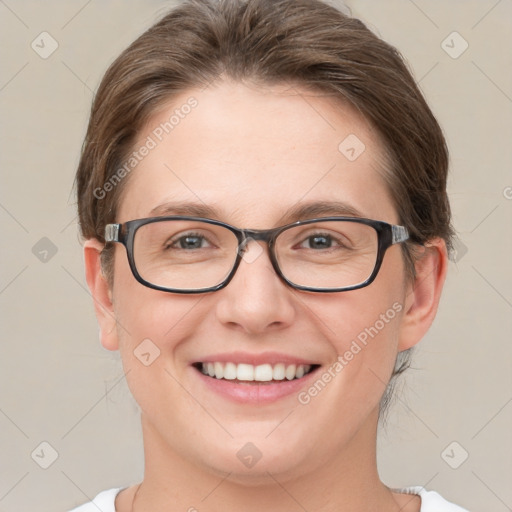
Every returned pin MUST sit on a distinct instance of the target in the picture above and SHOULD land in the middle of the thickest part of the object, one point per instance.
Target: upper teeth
(262, 372)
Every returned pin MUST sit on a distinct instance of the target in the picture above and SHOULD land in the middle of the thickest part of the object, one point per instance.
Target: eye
(319, 241)
(188, 241)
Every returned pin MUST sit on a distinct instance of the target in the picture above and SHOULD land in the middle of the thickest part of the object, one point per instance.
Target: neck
(347, 481)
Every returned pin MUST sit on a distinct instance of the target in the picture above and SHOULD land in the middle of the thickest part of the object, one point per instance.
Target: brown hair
(304, 42)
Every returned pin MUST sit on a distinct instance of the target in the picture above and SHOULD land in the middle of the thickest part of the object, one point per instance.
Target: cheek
(148, 318)
(362, 328)
(363, 331)
(364, 345)
(153, 329)
(369, 356)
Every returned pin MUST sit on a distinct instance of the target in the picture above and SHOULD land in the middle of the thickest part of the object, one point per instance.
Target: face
(252, 155)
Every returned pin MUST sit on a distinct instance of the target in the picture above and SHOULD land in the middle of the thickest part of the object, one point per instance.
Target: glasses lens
(328, 254)
(184, 255)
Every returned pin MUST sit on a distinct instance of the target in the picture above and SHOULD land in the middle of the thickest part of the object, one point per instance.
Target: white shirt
(430, 501)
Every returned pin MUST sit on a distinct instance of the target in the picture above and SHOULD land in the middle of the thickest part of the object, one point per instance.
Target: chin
(249, 463)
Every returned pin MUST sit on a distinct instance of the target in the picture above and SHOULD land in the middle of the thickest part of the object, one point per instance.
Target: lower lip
(252, 393)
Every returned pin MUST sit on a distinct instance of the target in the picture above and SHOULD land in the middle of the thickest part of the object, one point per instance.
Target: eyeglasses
(183, 254)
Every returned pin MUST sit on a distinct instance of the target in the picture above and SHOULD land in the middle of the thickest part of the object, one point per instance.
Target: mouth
(242, 373)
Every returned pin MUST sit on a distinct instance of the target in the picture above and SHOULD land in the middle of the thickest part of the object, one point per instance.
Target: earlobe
(101, 294)
(424, 293)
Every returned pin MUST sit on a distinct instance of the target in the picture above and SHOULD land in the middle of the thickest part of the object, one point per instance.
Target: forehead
(251, 153)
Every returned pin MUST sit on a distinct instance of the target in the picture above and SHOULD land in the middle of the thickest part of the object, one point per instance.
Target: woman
(279, 186)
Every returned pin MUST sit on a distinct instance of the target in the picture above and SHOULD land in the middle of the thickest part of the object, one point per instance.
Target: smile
(250, 373)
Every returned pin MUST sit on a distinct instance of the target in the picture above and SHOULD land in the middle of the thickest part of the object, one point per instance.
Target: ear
(423, 294)
(101, 293)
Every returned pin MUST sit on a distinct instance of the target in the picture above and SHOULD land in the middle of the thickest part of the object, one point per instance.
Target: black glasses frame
(387, 234)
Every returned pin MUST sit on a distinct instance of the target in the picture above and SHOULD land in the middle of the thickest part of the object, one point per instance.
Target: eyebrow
(313, 209)
(300, 211)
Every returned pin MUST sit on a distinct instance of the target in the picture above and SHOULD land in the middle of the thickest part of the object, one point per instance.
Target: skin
(253, 153)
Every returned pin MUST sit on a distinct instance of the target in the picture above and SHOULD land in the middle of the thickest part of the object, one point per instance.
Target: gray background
(59, 386)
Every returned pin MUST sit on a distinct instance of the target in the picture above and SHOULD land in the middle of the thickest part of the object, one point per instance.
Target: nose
(256, 300)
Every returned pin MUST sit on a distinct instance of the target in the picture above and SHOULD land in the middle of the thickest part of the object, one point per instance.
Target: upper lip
(271, 358)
